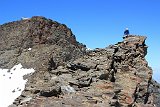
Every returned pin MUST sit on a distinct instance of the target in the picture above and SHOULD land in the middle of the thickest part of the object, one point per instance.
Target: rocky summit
(37, 41)
(68, 75)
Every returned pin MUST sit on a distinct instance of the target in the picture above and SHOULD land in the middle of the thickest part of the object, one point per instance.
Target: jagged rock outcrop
(38, 43)
(116, 76)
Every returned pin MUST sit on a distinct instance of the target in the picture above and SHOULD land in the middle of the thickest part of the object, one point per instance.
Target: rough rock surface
(68, 76)
(37, 42)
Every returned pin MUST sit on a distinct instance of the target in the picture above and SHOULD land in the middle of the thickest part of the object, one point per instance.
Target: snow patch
(29, 49)
(24, 18)
(88, 49)
(12, 84)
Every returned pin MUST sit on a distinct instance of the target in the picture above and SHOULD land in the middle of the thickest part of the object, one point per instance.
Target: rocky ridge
(116, 76)
(35, 40)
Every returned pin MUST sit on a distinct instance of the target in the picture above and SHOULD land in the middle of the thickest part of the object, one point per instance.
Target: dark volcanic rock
(67, 75)
(39, 43)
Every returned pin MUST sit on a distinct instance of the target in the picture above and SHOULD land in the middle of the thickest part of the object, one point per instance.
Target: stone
(69, 76)
(54, 91)
(104, 76)
(78, 66)
(27, 99)
(84, 82)
(114, 103)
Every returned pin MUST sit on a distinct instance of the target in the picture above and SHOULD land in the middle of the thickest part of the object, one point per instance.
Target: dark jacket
(126, 32)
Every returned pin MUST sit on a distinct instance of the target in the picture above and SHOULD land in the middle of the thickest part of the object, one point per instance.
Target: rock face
(68, 76)
(39, 43)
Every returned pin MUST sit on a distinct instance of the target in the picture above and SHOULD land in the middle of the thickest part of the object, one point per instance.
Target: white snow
(29, 49)
(24, 18)
(12, 84)
(88, 49)
(67, 89)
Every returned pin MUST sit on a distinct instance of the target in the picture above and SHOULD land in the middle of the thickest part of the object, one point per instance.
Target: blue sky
(96, 23)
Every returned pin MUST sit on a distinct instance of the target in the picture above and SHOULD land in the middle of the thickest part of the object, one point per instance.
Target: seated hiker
(126, 32)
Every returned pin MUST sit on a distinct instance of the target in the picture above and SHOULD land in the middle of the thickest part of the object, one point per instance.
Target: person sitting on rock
(126, 32)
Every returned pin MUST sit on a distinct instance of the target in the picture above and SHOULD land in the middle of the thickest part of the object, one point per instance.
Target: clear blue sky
(96, 23)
